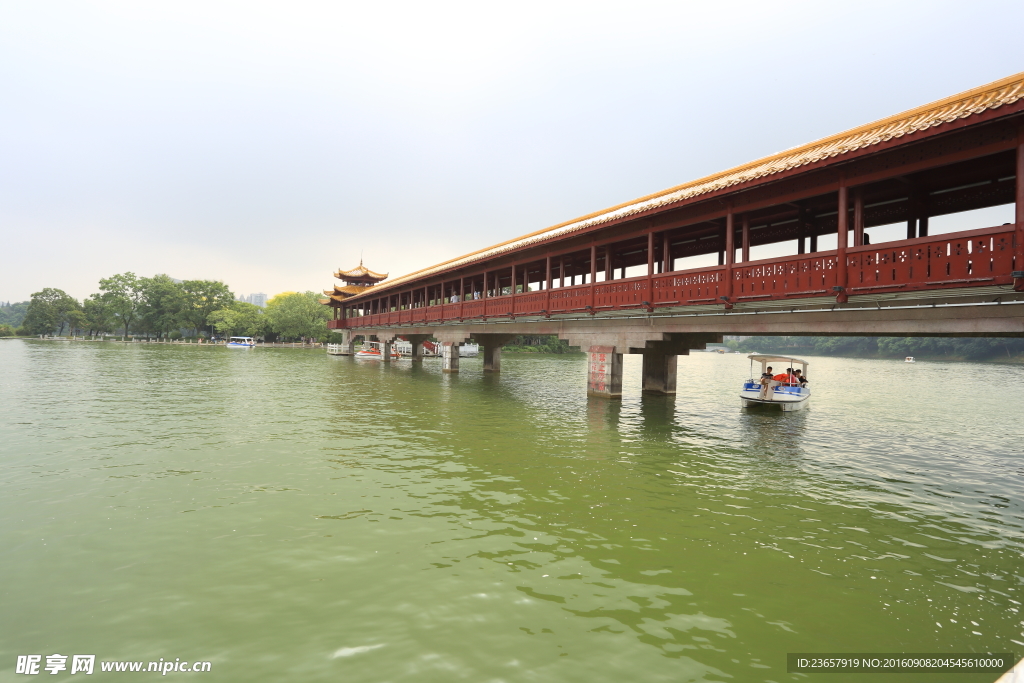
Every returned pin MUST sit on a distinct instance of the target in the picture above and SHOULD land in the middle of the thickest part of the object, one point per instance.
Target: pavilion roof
(975, 101)
(361, 272)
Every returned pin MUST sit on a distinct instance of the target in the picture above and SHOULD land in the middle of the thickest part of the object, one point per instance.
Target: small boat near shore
(373, 350)
(782, 390)
(241, 343)
(909, 359)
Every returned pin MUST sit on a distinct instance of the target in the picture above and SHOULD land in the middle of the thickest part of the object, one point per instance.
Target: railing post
(842, 237)
(1018, 233)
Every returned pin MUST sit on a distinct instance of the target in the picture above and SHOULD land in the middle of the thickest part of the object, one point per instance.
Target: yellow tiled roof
(1005, 91)
(358, 272)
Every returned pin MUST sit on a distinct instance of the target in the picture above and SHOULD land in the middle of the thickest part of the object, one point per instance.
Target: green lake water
(291, 516)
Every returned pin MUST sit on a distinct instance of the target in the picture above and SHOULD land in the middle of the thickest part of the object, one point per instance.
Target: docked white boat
(373, 350)
(784, 389)
(241, 343)
(466, 350)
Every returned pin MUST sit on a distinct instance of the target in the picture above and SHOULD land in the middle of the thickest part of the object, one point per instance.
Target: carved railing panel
(689, 287)
(794, 276)
(628, 293)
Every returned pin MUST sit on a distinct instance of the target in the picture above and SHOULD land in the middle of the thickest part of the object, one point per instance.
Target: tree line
(950, 348)
(161, 307)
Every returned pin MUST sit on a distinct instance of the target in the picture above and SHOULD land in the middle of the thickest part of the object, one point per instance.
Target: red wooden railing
(963, 259)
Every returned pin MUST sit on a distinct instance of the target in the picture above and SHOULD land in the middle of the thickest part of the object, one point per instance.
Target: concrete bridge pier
(660, 351)
(604, 372)
(490, 347)
(348, 342)
(450, 356)
(661, 359)
(387, 344)
(659, 371)
(416, 340)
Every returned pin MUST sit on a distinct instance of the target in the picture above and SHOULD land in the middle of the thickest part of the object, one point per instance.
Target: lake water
(287, 515)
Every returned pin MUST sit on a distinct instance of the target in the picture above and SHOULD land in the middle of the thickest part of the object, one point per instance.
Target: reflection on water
(290, 515)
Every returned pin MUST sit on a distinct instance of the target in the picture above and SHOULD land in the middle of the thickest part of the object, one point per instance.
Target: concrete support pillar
(348, 343)
(492, 358)
(416, 340)
(604, 375)
(450, 357)
(659, 375)
(385, 350)
(490, 347)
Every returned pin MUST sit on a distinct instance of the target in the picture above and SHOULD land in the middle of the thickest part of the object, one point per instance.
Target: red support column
(730, 255)
(745, 256)
(858, 217)
(593, 276)
(650, 270)
(666, 253)
(609, 272)
(1018, 233)
(842, 236)
(512, 303)
(547, 286)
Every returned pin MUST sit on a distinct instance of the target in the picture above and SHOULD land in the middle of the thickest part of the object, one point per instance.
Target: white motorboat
(909, 359)
(373, 350)
(241, 343)
(783, 389)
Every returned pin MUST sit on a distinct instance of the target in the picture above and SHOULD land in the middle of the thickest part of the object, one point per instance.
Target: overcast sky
(267, 144)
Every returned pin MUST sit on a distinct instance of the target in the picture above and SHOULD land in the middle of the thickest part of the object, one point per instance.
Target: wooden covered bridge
(623, 280)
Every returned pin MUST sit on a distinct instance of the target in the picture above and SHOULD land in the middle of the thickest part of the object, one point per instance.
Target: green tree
(98, 316)
(6, 330)
(123, 294)
(241, 318)
(200, 299)
(13, 314)
(163, 301)
(76, 320)
(292, 315)
(48, 311)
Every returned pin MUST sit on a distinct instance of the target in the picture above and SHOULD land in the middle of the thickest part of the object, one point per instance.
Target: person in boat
(784, 377)
(766, 381)
(800, 379)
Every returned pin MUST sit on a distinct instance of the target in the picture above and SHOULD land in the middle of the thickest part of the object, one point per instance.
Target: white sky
(267, 144)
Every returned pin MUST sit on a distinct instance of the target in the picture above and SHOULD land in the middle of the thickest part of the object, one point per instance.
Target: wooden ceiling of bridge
(955, 148)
